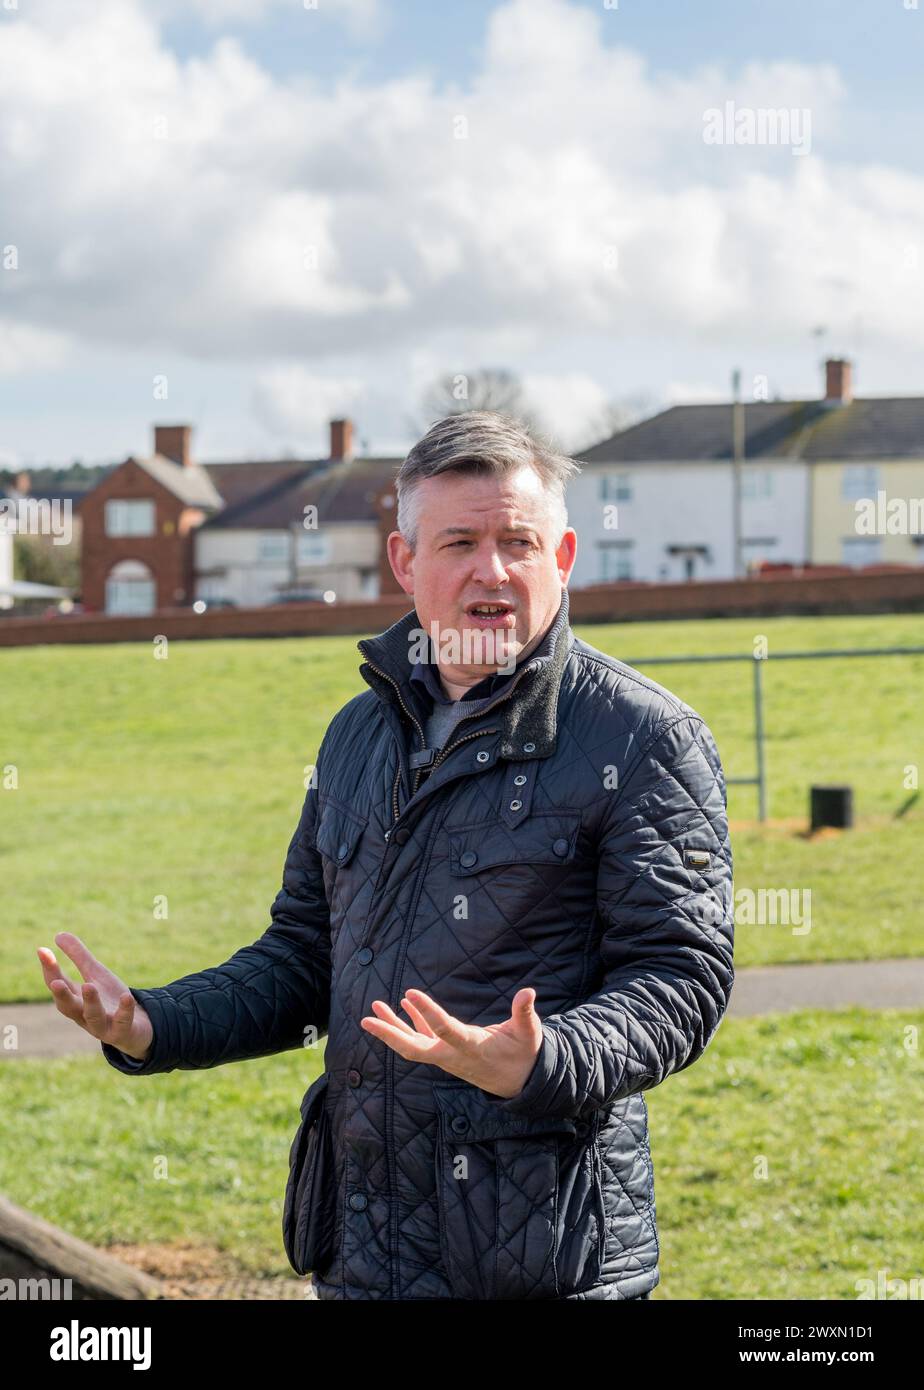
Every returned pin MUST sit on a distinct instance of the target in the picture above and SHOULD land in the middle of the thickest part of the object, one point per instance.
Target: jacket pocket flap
(542, 838)
(468, 1116)
(338, 832)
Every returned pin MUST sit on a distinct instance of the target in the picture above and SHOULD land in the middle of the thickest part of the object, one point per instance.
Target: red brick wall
(168, 553)
(881, 593)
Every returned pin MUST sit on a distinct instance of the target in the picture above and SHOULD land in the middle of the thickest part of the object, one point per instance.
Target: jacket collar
(526, 709)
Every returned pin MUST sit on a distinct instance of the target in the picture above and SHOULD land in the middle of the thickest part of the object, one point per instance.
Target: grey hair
(482, 441)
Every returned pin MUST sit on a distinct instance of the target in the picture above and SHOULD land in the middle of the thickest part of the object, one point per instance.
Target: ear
(401, 559)
(566, 554)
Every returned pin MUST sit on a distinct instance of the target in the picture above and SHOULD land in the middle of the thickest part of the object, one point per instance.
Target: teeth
(488, 608)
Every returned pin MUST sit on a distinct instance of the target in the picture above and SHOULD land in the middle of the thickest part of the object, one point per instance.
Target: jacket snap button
(519, 780)
(459, 1124)
(342, 850)
(529, 748)
(582, 1127)
(515, 805)
(359, 1201)
(354, 1077)
(364, 956)
(468, 859)
(560, 847)
(402, 835)
(482, 757)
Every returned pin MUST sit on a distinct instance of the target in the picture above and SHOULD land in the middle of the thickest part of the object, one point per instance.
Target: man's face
(483, 539)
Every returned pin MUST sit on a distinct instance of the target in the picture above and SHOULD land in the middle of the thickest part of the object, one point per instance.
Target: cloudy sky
(279, 211)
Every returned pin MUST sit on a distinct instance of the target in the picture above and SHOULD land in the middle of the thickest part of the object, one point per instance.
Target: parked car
(306, 596)
(207, 605)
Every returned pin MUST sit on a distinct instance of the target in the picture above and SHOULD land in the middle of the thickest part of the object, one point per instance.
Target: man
(505, 905)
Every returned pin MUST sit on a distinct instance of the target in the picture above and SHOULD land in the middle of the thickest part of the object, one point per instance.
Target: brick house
(163, 531)
(138, 526)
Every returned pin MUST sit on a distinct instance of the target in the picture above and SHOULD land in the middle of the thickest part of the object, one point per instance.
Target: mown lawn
(786, 1160)
(182, 779)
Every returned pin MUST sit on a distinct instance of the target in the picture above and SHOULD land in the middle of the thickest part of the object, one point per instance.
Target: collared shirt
(426, 675)
(443, 712)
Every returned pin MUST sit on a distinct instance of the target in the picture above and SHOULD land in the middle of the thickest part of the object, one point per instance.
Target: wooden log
(34, 1249)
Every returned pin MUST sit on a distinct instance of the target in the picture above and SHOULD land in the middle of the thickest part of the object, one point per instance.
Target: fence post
(759, 740)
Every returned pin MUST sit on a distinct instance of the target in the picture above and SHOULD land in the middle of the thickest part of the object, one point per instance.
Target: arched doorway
(130, 588)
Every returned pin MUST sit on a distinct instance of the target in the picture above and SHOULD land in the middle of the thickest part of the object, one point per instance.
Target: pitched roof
(235, 481)
(341, 491)
(192, 485)
(871, 428)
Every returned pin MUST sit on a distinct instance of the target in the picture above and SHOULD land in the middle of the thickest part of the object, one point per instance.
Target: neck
(457, 683)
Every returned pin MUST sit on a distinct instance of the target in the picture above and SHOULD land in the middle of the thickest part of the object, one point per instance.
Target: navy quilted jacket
(571, 836)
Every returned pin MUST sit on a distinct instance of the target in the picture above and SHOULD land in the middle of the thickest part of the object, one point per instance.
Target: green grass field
(184, 778)
(785, 1159)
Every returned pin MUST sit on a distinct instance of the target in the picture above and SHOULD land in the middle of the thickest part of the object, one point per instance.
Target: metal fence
(758, 662)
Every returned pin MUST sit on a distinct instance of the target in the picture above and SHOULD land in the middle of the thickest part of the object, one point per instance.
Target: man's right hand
(103, 1005)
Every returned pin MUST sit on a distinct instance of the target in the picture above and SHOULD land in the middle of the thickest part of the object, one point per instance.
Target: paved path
(878, 984)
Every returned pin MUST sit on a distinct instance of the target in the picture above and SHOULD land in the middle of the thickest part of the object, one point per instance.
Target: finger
(421, 1023)
(67, 1003)
(94, 1014)
(442, 1024)
(411, 1046)
(52, 970)
(383, 1011)
(125, 1012)
(72, 946)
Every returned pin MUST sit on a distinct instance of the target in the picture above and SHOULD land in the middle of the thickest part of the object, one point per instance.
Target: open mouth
(489, 614)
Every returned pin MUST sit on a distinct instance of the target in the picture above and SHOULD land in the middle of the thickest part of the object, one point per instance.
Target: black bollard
(832, 806)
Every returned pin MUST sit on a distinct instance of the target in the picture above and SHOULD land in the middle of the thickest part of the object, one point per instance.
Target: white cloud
(162, 206)
(566, 402)
(295, 404)
(361, 18)
(27, 349)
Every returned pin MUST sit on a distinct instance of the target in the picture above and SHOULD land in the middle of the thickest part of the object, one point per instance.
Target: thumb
(522, 1010)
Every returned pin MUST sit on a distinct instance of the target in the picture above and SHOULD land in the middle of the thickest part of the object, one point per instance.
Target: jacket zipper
(450, 748)
(442, 755)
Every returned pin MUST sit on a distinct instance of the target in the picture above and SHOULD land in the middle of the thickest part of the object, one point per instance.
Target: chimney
(174, 442)
(341, 439)
(838, 384)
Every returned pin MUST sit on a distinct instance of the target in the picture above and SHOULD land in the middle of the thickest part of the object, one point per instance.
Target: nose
(488, 568)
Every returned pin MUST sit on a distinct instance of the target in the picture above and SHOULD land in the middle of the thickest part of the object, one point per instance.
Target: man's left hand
(498, 1058)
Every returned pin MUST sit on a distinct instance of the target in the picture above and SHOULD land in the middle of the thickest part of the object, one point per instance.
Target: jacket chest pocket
(337, 837)
(309, 1207)
(544, 839)
(338, 833)
(510, 1211)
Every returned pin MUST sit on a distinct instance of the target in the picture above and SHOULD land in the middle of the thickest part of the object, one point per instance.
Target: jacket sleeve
(666, 949)
(265, 996)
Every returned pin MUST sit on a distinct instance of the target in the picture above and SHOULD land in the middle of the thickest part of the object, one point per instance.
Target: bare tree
(487, 388)
(617, 415)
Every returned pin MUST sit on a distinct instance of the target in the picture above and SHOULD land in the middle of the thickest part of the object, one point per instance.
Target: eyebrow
(471, 531)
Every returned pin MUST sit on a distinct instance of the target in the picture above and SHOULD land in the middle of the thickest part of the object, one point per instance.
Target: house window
(756, 483)
(130, 588)
(615, 561)
(274, 548)
(615, 487)
(313, 548)
(129, 516)
(859, 480)
(861, 550)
